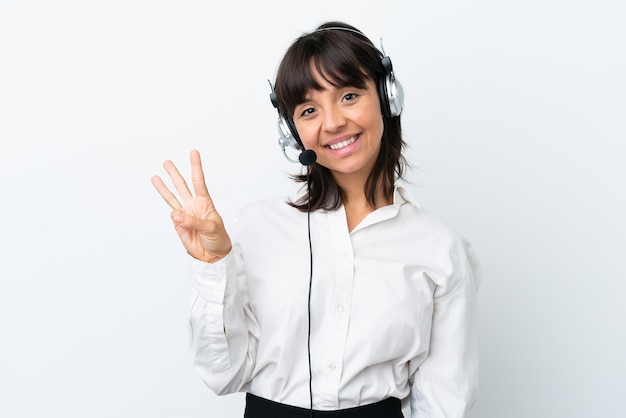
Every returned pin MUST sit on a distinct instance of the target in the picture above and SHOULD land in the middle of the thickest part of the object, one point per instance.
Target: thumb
(192, 223)
(183, 220)
(178, 217)
(186, 221)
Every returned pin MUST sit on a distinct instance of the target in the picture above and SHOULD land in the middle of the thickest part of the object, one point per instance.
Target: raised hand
(196, 221)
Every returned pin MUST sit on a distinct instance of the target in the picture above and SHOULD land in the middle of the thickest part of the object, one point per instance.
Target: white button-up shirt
(393, 310)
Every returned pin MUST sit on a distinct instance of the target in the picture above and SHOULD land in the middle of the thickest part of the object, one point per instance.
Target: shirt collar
(401, 196)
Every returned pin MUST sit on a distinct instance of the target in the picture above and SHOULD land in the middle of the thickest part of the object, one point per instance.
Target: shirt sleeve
(223, 333)
(445, 385)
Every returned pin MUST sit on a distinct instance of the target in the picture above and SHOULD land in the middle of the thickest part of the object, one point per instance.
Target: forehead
(320, 77)
(323, 84)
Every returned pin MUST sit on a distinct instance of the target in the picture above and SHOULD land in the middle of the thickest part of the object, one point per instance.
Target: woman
(350, 297)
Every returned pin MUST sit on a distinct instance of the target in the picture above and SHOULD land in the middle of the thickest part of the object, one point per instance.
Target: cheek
(306, 134)
(378, 126)
(372, 118)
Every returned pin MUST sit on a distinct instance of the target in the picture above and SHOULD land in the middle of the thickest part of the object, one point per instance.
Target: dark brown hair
(344, 57)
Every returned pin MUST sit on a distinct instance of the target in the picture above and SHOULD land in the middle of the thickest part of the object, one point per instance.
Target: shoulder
(420, 222)
(269, 215)
(266, 206)
(452, 254)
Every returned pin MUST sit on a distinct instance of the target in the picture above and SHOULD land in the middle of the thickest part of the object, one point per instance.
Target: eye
(307, 112)
(350, 96)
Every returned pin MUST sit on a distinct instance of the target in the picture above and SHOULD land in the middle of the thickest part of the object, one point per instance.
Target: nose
(334, 119)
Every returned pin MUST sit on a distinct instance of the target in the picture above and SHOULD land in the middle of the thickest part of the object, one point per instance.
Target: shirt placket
(338, 325)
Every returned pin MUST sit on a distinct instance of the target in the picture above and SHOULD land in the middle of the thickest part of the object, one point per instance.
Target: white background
(515, 116)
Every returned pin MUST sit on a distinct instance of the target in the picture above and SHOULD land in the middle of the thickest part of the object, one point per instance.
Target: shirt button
(341, 308)
(332, 366)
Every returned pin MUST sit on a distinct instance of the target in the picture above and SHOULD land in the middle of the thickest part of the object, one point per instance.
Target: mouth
(343, 144)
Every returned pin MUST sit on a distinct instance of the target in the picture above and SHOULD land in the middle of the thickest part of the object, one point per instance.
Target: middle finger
(179, 182)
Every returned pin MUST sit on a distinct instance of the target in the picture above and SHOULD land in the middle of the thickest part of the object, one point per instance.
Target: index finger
(165, 193)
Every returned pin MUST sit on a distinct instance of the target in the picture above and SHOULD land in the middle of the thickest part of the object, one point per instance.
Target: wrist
(215, 257)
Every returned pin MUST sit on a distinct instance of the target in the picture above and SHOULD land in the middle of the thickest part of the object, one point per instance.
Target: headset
(390, 92)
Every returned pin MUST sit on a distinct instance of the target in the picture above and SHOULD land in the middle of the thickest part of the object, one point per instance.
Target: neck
(356, 204)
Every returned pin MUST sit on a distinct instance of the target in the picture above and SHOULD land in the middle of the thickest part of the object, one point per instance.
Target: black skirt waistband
(257, 407)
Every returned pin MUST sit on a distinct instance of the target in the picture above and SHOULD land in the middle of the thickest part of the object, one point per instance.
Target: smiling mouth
(343, 144)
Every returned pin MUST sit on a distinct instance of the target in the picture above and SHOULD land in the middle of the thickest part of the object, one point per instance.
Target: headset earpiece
(390, 91)
(287, 133)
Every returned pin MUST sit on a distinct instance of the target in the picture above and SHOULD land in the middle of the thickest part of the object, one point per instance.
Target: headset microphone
(307, 157)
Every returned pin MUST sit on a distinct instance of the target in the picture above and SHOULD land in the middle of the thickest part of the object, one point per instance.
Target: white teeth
(343, 144)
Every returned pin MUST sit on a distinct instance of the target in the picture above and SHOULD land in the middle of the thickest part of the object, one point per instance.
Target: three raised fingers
(197, 179)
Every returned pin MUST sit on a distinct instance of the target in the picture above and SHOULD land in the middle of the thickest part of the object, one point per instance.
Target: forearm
(222, 331)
